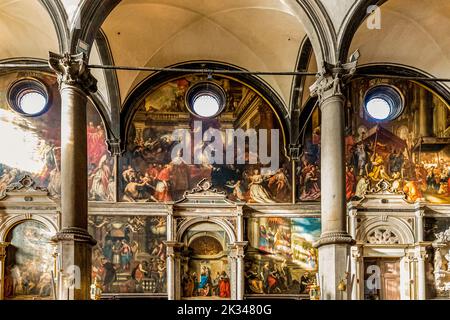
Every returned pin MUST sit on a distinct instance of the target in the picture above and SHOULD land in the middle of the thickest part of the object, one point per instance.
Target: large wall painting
(205, 268)
(149, 172)
(130, 255)
(29, 262)
(30, 145)
(33, 145)
(411, 152)
(280, 258)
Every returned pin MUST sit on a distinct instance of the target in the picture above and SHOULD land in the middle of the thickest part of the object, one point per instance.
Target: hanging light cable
(209, 71)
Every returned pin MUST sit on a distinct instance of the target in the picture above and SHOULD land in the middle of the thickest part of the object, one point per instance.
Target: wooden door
(390, 279)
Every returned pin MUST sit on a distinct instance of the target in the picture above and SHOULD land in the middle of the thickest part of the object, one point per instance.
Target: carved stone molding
(72, 70)
(74, 234)
(334, 238)
(383, 235)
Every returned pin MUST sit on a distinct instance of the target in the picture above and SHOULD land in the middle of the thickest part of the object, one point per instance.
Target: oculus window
(28, 97)
(205, 99)
(383, 103)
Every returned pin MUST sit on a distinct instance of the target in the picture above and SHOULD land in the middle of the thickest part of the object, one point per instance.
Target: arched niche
(30, 265)
(206, 270)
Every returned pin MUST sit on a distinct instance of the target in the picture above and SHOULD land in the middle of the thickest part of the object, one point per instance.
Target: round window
(383, 103)
(28, 97)
(205, 99)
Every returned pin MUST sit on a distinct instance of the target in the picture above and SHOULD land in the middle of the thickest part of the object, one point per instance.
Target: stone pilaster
(419, 225)
(334, 243)
(357, 272)
(237, 254)
(173, 268)
(74, 241)
(3, 246)
(421, 256)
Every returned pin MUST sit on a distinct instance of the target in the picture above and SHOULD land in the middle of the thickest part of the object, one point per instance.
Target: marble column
(3, 246)
(73, 240)
(334, 243)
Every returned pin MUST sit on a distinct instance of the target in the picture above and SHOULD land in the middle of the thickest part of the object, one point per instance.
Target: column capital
(295, 152)
(237, 249)
(72, 70)
(331, 79)
(173, 248)
(114, 146)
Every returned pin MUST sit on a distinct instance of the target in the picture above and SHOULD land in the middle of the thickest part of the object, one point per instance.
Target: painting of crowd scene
(29, 262)
(398, 152)
(130, 255)
(150, 173)
(34, 146)
(206, 271)
(281, 258)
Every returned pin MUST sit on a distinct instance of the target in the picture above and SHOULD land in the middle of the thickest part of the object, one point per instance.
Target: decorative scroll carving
(383, 235)
(72, 70)
(202, 186)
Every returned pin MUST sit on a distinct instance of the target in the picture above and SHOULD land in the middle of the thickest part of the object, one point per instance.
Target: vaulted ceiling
(413, 33)
(260, 35)
(26, 30)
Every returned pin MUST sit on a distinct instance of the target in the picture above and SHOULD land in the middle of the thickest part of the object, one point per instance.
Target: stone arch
(356, 15)
(400, 228)
(58, 15)
(224, 224)
(10, 223)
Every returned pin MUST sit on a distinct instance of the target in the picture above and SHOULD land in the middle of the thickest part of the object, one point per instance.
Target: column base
(328, 238)
(334, 280)
(74, 263)
(334, 254)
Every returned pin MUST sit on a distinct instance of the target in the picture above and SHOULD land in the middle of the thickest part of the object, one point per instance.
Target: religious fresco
(34, 145)
(29, 262)
(149, 172)
(281, 258)
(101, 182)
(130, 254)
(205, 268)
(412, 160)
